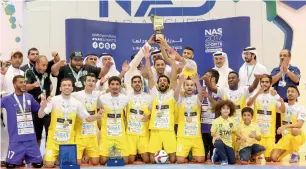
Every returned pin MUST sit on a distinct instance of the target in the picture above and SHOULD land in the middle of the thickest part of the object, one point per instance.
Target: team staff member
(32, 56)
(64, 109)
(282, 77)
(39, 85)
(76, 71)
(162, 113)
(22, 142)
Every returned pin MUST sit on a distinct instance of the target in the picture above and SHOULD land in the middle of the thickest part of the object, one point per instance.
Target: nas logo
(165, 8)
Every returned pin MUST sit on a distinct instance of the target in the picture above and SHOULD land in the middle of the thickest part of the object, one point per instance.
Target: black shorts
(40, 123)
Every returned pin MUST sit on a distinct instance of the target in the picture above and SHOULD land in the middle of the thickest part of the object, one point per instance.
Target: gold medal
(159, 114)
(115, 120)
(189, 119)
(25, 118)
(66, 123)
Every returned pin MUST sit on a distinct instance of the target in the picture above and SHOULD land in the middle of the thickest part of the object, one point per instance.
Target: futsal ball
(161, 157)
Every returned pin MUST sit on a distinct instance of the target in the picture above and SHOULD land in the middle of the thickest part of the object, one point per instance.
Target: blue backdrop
(122, 40)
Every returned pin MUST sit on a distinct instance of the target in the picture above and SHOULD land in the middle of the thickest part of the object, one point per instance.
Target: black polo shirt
(65, 72)
(26, 66)
(30, 78)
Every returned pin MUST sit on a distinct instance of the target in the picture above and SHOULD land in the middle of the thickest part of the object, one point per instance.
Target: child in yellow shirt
(249, 150)
(222, 129)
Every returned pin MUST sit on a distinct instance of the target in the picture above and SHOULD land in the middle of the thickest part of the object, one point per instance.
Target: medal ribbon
(41, 82)
(76, 75)
(22, 109)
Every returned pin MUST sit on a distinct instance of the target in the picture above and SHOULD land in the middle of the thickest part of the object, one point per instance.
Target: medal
(115, 108)
(25, 118)
(159, 114)
(189, 119)
(66, 107)
(66, 123)
(23, 107)
(88, 103)
(77, 76)
(78, 84)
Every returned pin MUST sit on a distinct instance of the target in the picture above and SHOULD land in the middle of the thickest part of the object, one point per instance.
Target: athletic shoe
(224, 162)
(294, 158)
(214, 156)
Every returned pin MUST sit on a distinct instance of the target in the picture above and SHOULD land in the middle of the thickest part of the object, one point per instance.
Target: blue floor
(201, 166)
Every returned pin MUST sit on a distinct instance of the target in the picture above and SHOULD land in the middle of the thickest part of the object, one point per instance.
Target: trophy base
(113, 162)
(74, 166)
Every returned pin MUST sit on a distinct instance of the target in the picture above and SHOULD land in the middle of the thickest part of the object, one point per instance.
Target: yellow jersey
(138, 107)
(113, 118)
(265, 108)
(245, 131)
(63, 116)
(292, 114)
(225, 128)
(163, 110)
(85, 129)
(189, 113)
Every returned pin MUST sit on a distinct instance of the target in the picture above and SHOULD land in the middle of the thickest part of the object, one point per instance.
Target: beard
(247, 60)
(163, 89)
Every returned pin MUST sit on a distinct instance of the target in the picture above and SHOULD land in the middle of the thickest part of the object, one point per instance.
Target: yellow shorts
(162, 139)
(290, 144)
(268, 143)
(184, 145)
(137, 144)
(121, 145)
(90, 145)
(52, 150)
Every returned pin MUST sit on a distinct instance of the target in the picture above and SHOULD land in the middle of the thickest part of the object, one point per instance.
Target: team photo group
(155, 109)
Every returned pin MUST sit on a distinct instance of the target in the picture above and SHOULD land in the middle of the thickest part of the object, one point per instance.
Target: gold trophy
(158, 25)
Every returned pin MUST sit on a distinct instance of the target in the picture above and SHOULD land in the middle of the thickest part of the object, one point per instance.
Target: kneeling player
(86, 132)
(63, 109)
(138, 121)
(22, 139)
(162, 114)
(189, 130)
(293, 135)
(249, 130)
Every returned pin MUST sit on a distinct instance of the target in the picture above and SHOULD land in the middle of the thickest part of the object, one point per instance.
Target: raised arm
(104, 69)
(125, 68)
(173, 78)
(164, 45)
(56, 67)
(44, 104)
(255, 83)
(209, 85)
(200, 89)
(56, 57)
(138, 57)
(177, 90)
(147, 54)
(251, 100)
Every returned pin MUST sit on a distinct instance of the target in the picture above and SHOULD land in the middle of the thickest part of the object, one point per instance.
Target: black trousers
(208, 144)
